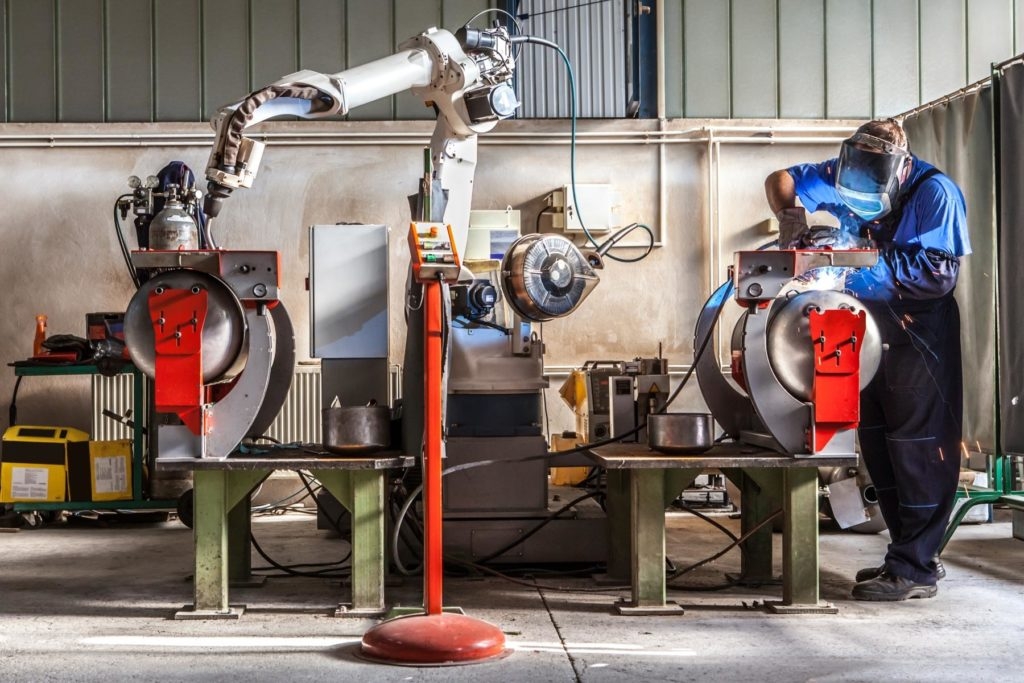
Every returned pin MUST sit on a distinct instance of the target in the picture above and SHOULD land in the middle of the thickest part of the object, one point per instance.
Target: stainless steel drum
(789, 335)
(546, 276)
(680, 433)
(356, 430)
(224, 330)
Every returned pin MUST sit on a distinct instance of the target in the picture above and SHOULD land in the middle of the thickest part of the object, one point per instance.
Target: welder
(911, 412)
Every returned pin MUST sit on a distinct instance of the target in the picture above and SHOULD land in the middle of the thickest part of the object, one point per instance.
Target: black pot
(356, 430)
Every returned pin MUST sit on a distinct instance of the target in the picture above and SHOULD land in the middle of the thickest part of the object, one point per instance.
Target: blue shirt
(921, 258)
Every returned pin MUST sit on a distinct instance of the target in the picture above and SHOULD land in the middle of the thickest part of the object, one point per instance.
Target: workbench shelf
(137, 501)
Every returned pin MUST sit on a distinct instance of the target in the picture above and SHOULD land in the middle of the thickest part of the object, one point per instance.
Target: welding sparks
(825, 278)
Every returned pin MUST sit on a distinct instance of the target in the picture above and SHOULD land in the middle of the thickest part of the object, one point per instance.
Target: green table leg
(676, 481)
(362, 494)
(617, 502)
(239, 553)
(216, 493)
(800, 544)
(760, 496)
(647, 547)
(239, 546)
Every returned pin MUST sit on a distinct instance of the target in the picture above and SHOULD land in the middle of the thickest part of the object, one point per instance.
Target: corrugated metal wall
(178, 60)
(594, 38)
(829, 58)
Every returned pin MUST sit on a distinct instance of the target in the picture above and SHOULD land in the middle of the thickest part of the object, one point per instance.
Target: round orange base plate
(433, 640)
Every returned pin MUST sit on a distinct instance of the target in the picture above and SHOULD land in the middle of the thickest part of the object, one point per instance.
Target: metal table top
(311, 457)
(626, 456)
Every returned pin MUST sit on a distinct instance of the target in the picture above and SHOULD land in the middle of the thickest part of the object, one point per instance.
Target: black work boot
(888, 587)
(869, 573)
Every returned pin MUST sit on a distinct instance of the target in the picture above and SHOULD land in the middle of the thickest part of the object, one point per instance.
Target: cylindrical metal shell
(790, 350)
(224, 329)
(173, 229)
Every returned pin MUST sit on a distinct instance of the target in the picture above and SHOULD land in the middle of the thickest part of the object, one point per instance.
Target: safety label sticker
(111, 474)
(29, 483)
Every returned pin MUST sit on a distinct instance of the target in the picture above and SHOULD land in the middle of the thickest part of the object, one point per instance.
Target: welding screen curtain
(957, 137)
(1010, 83)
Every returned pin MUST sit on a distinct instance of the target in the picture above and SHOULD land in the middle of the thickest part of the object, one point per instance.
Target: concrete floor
(89, 602)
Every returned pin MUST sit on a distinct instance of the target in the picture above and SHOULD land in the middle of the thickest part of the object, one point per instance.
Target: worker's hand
(819, 237)
(792, 226)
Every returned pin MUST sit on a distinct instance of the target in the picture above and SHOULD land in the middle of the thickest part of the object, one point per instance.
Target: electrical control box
(432, 248)
(590, 206)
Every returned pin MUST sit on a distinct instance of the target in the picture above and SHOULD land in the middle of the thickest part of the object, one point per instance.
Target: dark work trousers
(910, 430)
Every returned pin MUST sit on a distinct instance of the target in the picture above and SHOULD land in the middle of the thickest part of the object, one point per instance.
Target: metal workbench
(642, 483)
(221, 521)
(138, 501)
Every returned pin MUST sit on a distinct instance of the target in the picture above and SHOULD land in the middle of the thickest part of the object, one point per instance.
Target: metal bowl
(680, 433)
(356, 430)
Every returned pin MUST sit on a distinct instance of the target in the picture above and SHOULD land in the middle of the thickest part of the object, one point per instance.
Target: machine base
(781, 608)
(627, 609)
(189, 613)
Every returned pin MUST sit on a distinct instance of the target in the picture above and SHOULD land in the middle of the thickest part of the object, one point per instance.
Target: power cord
(685, 570)
(123, 244)
(337, 568)
(572, 159)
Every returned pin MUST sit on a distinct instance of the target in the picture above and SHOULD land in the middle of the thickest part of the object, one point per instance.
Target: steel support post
(647, 544)
(361, 492)
(800, 543)
(216, 493)
(760, 496)
(240, 547)
(617, 501)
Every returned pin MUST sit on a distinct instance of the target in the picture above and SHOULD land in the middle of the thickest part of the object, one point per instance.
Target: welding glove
(792, 225)
(818, 237)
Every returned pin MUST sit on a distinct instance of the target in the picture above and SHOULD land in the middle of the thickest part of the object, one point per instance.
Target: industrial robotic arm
(465, 76)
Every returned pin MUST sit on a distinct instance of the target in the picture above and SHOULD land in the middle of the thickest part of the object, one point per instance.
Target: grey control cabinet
(348, 302)
(348, 291)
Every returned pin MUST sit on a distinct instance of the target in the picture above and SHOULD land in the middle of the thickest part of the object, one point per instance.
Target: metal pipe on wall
(696, 134)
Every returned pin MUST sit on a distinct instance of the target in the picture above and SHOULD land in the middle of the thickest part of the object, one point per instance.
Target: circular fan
(546, 276)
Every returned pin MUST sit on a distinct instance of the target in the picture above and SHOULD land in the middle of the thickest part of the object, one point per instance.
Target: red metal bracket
(837, 336)
(178, 316)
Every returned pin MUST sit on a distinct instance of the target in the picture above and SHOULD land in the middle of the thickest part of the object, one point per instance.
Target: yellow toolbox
(102, 473)
(34, 460)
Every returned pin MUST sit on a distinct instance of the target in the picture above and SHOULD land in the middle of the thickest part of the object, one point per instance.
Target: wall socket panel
(595, 204)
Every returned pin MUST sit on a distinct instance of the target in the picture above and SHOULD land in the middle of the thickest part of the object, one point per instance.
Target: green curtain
(957, 137)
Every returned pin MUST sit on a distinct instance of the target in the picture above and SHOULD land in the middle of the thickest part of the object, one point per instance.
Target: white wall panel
(895, 72)
(943, 48)
(754, 59)
(801, 59)
(989, 35)
(849, 88)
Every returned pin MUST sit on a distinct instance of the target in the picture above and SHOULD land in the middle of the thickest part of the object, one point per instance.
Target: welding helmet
(868, 174)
